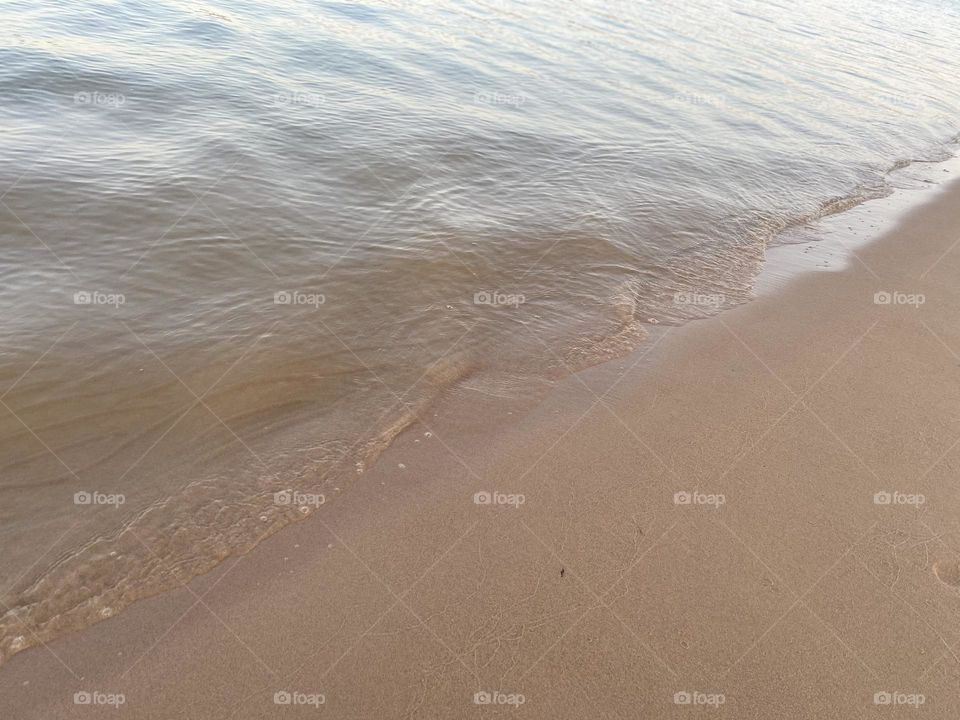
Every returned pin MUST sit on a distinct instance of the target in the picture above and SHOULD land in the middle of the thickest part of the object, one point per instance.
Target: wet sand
(756, 512)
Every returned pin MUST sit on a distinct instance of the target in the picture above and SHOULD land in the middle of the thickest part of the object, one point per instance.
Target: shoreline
(449, 380)
(408, 598)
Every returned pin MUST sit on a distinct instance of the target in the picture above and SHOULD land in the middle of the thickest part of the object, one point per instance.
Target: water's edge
(110, 573)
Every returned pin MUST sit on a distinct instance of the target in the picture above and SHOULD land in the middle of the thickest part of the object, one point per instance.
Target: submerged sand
(753, 516)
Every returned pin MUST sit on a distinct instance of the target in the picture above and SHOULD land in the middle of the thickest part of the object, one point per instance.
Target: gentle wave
(247, 247)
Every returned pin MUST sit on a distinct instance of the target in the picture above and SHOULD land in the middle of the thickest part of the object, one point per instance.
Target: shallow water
(245, 244)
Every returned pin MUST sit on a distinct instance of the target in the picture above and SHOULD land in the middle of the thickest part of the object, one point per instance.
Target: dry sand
(800, 596)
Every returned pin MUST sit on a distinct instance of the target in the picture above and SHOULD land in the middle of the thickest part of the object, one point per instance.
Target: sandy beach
(440, 360)
(752, 516)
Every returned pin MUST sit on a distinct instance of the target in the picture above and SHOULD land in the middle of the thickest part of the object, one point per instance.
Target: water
(245, 244)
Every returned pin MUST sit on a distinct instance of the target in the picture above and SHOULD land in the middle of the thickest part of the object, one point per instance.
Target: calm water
(246, 243)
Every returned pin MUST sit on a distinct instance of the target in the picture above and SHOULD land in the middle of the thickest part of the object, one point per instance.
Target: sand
(753, 516)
